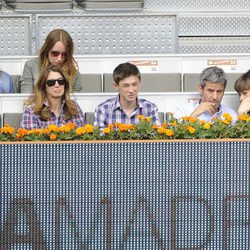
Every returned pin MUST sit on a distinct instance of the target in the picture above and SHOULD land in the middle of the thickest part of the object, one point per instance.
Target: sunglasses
(55, 53)
(51, 83)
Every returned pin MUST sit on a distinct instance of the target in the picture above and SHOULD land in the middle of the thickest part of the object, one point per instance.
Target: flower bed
(185, 128)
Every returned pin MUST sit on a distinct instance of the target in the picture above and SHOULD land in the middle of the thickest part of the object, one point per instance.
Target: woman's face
(57, 54)
(55, 85)
(244, 94)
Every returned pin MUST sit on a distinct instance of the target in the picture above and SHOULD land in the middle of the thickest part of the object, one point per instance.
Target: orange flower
(228, 117)
(225, 122)
(111, 126)
(174, 123)
(161, 130)
(52, 137)
(244, 117)
(155, 126)
(202, 122)
(7, 130)
(164, 125)
(206, 126)
(140, 117)
(71, 125)
(106, 130)
(169, 132)
(125, 127)
(80, 131)
(65, 129)
(22, 131)
(89, 128)
(52, 128)
(190, 129)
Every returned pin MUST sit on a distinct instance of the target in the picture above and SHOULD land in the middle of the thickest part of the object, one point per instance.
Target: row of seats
(14, 119)
(151, 82)
(68, 4)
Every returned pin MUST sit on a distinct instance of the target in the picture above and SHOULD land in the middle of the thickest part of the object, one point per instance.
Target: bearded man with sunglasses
(57, 50)
(51, 103)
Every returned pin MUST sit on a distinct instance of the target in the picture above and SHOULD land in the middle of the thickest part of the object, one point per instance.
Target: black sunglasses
(52, 82)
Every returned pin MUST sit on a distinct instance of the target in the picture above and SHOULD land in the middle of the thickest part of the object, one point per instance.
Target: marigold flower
(7, 130)
(80, 131)
(22, 131)
(206, 126)
(111, 126)
(244, 117)
(89, 128)
(174, 123)
(202, 122)
(161, 130)
(190, 129)
(155, 126)
(164, 125)
(169, 132)
(148, 119)
(225, 122)
(106, 130)
(65, 129)
(228, 117)
(52, 137)
(71, 125)
(52, 128)
(125, 127)
(140, 117)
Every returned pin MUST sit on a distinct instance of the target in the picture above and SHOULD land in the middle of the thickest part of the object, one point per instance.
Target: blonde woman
(51, 103)
(57, 49)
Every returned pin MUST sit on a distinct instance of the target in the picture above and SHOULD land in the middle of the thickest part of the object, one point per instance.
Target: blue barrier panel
(125, 195)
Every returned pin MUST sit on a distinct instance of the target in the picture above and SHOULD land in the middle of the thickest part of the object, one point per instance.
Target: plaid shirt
(32, 121)
(110, 112)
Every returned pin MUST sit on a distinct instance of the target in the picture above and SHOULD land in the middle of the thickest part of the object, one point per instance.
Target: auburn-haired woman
(242, 86)
(51, 103)
(57, 49)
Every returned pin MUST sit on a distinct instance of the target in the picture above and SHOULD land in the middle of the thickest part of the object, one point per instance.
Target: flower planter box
(186, 194)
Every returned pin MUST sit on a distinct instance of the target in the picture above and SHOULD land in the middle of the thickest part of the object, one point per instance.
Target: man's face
(128, 88)
(212, 92)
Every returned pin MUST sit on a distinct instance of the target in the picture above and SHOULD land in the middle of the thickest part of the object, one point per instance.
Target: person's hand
(244, 107)
(210, 107)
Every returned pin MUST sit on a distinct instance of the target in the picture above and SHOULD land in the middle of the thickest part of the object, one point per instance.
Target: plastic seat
(12, 119)
(150, 82)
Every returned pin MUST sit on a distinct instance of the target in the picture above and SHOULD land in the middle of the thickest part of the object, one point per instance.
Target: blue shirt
(188, 108)
(110, 112)
(6, 83)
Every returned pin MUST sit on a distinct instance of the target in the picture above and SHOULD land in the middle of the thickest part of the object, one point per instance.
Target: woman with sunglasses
(57, 50)
(51, 103)
(242, 86)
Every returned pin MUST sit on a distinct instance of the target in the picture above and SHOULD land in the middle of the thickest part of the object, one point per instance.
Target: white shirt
(188, 108)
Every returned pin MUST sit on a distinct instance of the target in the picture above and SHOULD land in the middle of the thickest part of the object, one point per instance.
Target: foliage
(184, 128)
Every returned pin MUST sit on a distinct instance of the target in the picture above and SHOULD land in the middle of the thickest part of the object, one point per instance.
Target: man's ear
(115, 85)
(200, 89)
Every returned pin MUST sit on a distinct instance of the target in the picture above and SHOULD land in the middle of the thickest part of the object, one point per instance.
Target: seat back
(191, 81)
(91, 83)
(16, 82)
(150, 82)
(89, 118)
(12, 119)
(39, 4)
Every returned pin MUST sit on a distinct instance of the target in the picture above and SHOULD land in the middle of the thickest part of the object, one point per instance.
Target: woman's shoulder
(33, 62)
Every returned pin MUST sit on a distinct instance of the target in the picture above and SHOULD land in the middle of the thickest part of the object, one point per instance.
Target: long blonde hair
(39, 98)
(70, 66)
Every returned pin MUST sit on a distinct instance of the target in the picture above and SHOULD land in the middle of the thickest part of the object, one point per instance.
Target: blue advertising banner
(125, 195)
